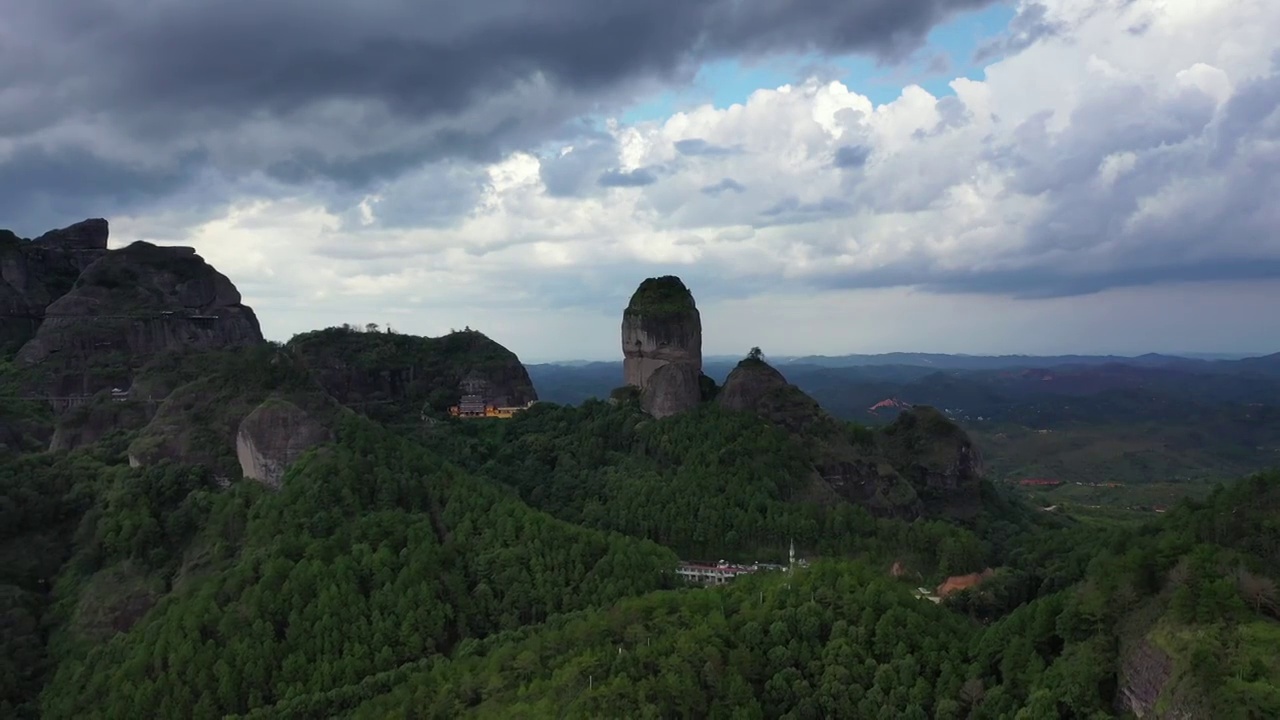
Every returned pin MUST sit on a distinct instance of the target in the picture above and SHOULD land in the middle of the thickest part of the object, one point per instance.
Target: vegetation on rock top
(661, 299)
(395, 378)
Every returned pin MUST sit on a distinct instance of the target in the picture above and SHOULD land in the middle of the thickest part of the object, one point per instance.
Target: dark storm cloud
(44, 189)
(630, 178)
(356, 92)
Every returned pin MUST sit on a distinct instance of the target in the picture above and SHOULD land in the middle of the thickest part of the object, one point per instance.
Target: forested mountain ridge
(396, 377)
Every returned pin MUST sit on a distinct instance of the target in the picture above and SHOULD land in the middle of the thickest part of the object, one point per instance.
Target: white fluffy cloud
(1138, 144)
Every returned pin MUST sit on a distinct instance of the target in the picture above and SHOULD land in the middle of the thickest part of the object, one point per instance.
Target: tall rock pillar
(661, 327)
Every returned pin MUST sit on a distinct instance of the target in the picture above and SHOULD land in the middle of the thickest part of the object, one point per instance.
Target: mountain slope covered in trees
(844, 640)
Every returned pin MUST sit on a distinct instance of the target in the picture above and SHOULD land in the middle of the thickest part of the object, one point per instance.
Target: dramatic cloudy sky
(827, 175)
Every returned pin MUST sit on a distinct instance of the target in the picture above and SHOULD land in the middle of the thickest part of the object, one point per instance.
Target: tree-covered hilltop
(393, 377)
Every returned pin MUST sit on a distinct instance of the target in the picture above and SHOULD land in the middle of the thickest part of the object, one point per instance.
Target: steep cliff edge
(392, 377)
(921, 463)
(35, 273)
(660, 325)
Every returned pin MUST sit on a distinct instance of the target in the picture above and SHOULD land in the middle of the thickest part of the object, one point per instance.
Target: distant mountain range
(850, 385)
(944, 361)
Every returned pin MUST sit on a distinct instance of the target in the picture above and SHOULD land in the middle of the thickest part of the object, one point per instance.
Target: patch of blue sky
(947, 54)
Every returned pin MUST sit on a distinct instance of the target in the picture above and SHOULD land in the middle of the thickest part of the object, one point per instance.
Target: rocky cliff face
(672, 388)
(128, 306)
(390, 375)
(35, 273)
(660, 325)
(921, 463)
(662, 347)
(143, 300)
(90, 423)
(273, 437)
(1145, 671)
(757, 387)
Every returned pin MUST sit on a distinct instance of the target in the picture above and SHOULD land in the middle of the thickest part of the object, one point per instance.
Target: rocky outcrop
(660, 325)
(35, 273)
(672, 388)
(939, 460)
(841, 468)
(1144, 672)
(757, 387)
(920, 463)
(140, 301)
(389, 375)
(273, 437)
(127, 307)
(200, 421)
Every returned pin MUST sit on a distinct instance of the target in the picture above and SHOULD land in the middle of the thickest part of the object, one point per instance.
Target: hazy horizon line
(1201, 355)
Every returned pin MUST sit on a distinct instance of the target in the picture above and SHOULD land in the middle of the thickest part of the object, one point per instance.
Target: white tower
(792, 566)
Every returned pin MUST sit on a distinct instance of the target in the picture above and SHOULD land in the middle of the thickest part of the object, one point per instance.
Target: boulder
(273, 437)
(672, 388)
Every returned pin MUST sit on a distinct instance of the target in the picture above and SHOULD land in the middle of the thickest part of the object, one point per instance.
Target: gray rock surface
(672, 388)
(660, 325)
(273, 437)
(35, 273)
